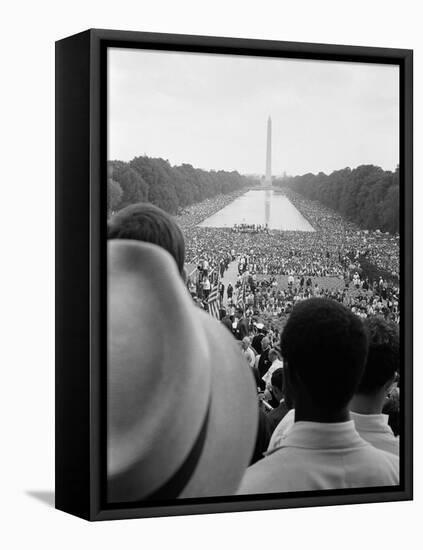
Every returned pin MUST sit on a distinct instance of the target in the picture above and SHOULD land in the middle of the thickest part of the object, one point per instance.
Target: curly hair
(383, 357)
(324, 346)
(148, 223)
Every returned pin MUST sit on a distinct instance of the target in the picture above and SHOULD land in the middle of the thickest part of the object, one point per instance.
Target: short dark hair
(324, 346)
(383, 355)
(148, 223)
(277, 379)
(256, 344)
(273, 353)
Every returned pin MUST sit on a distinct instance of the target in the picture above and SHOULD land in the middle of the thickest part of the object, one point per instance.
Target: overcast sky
(211, 111)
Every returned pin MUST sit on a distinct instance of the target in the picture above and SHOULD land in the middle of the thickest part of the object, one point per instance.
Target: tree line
(154, 180)
(366, 195)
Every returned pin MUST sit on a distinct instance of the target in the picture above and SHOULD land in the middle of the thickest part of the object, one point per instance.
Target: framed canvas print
(233, 274)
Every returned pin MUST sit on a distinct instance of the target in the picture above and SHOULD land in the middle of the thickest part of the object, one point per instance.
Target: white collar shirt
(277, 364)
(321, 456)
(375, 429)
(250, 357)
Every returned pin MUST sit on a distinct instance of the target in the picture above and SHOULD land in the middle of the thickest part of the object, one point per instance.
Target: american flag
(241, 296)
(213, 302)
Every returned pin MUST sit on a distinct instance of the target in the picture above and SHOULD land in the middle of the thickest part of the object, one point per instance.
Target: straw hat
(182, 410)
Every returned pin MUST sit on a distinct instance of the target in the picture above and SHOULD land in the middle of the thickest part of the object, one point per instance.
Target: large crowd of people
(250, 228)
(318, 332)
(278, 269)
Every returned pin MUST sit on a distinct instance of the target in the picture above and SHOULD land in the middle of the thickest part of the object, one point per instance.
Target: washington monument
(268, 177)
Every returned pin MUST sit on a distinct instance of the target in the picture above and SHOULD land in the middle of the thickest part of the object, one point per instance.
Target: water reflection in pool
(260, 207)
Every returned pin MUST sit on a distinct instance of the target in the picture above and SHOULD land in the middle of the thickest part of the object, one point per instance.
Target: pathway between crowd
(230, 276)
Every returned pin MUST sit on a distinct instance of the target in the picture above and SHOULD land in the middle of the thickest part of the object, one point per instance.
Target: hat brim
(202, 385)
(233, 418)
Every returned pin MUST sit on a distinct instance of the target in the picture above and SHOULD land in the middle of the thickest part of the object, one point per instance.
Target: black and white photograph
(211, 228)
(254, 314)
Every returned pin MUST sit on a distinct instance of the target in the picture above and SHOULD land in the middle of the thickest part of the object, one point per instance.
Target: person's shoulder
(383, 462)
(387, 457)
(262, 476)
(384, 441)
(393, 446)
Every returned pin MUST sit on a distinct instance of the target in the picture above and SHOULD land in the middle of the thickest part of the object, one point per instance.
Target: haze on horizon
(211, 111)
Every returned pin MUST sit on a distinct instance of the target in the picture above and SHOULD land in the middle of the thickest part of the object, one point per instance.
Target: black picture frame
(81, 155)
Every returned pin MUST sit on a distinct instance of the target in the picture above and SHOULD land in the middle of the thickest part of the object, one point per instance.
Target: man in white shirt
(377, 382)
(206, 286)
(324, 349)
(374, 428)
(276, 364)
(248, 352)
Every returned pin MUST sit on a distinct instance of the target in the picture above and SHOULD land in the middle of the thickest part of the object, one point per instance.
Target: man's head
(324, 347)
(278, 384)
(265, 343)
(245, 343)
(383, 356)
(273, 355)
(148, 223)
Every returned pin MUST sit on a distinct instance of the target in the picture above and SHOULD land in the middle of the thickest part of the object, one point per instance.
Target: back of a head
(277, 379)
(324, 346)
(273, 355)
(256, 344)
(383, 355)
(148, 223)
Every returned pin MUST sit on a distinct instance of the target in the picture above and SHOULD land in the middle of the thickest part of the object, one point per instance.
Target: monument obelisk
(268, 177)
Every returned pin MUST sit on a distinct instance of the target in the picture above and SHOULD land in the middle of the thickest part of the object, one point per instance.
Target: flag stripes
(241, 296)
(213, 302)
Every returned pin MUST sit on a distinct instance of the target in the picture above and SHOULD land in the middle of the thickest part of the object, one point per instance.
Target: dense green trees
(367, 195)
(169, 187)
(134, 188)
